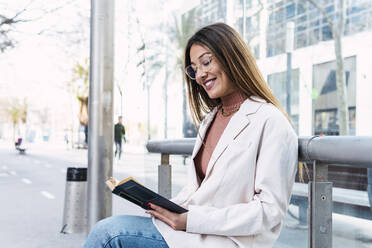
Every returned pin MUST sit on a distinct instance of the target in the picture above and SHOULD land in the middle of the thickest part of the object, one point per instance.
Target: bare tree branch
(342, 15)
(7, 22)
(261, 6)
(13, 19)
(324, 13)
(50, 11)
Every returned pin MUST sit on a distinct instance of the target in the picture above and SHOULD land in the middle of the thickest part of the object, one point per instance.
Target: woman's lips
(209, 85)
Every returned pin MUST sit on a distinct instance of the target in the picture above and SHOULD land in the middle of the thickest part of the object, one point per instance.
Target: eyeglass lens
(204, 65)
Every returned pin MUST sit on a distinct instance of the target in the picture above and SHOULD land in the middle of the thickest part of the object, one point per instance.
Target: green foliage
(79, 83)
(152, 60)
(141, 48)
(17, 111)
(182, 30)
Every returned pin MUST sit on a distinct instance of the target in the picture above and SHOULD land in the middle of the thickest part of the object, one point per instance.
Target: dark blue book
(133, 191)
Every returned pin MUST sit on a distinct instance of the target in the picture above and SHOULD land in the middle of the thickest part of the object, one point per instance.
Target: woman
(243, 164)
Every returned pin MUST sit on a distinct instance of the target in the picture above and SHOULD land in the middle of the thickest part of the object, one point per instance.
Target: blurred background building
(313, 84)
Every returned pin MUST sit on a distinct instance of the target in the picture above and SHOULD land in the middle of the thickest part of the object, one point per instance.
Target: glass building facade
(311, 26)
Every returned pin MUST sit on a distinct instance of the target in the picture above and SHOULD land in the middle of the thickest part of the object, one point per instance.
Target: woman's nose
(200, 75)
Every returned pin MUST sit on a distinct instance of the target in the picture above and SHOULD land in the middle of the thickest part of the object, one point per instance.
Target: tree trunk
(337, 33)
(343, 109)
(14, 131)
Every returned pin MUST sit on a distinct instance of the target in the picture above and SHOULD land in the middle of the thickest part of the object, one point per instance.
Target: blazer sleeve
(275, 172)
(181, 197)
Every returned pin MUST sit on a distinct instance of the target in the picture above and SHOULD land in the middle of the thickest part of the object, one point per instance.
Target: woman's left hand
(176, 221)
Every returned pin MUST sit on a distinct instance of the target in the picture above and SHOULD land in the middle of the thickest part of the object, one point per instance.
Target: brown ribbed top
(230, 104)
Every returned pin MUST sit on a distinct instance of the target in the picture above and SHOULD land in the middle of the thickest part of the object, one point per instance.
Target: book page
(111, 183)
(127, 179)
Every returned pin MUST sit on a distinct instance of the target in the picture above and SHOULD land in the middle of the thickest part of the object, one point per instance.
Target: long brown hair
(235, 59)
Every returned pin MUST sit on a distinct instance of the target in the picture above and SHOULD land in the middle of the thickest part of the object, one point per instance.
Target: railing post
(320, 208)
(165, 177)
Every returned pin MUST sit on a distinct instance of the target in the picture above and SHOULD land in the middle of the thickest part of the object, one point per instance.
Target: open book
(138, 194)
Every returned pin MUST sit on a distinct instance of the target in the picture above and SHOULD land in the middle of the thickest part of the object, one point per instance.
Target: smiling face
(215, 81)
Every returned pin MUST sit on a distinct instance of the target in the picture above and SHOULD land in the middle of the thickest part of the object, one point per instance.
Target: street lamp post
(100, 149)
(289, 49)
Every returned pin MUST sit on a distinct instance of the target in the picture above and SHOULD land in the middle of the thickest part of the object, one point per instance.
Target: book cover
(133, 191)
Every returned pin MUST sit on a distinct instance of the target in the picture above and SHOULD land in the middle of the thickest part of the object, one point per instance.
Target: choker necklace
(233, 110)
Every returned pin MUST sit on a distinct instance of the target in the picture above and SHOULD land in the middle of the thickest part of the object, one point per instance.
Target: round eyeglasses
(205, 65)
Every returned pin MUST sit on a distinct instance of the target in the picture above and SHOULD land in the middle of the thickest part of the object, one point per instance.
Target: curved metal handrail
(337, 150)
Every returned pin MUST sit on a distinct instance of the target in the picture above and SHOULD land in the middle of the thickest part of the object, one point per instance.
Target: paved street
(32, 190)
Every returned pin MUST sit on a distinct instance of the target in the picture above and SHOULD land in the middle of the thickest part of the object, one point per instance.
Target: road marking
(26, 181)
(47, 195)
(13, 173)
(4, 174)
(4, 167)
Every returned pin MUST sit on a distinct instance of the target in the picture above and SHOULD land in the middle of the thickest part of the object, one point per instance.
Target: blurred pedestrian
(243, 164)
(67, 140)
(119, 135)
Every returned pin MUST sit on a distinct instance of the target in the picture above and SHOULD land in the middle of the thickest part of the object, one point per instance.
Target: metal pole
(148, 109)
(244, 17)
(166, 97)
(165, 177)
(289, 50)
(100, 149)
(166, 84)
(320, 208)
(165, 88)
(288, 83)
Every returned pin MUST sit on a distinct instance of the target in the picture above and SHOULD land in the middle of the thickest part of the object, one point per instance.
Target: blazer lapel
(202, 131)
(203, 127)
(237, 124)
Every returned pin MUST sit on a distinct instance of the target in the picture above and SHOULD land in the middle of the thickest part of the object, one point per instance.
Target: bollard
(74, 212)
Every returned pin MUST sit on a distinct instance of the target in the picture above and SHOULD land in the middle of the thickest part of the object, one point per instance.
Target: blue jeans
(125, 231)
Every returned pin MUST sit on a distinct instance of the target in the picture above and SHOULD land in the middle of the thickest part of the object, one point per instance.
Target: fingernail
(149, 205)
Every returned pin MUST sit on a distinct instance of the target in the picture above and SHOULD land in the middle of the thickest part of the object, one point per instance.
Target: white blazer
(246, 190)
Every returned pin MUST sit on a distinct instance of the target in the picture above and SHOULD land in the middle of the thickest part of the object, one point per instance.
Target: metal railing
(350, 151)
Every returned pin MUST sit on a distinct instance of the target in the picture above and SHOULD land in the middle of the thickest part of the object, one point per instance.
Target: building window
(326, 122)
(314, 36)
(300, 40)
(278, 85)
(326, 33)
(301, 8)
(279, 16)
(256, 51)
(302, 19)
(325, 100)
(309, 20)
(290, 11)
